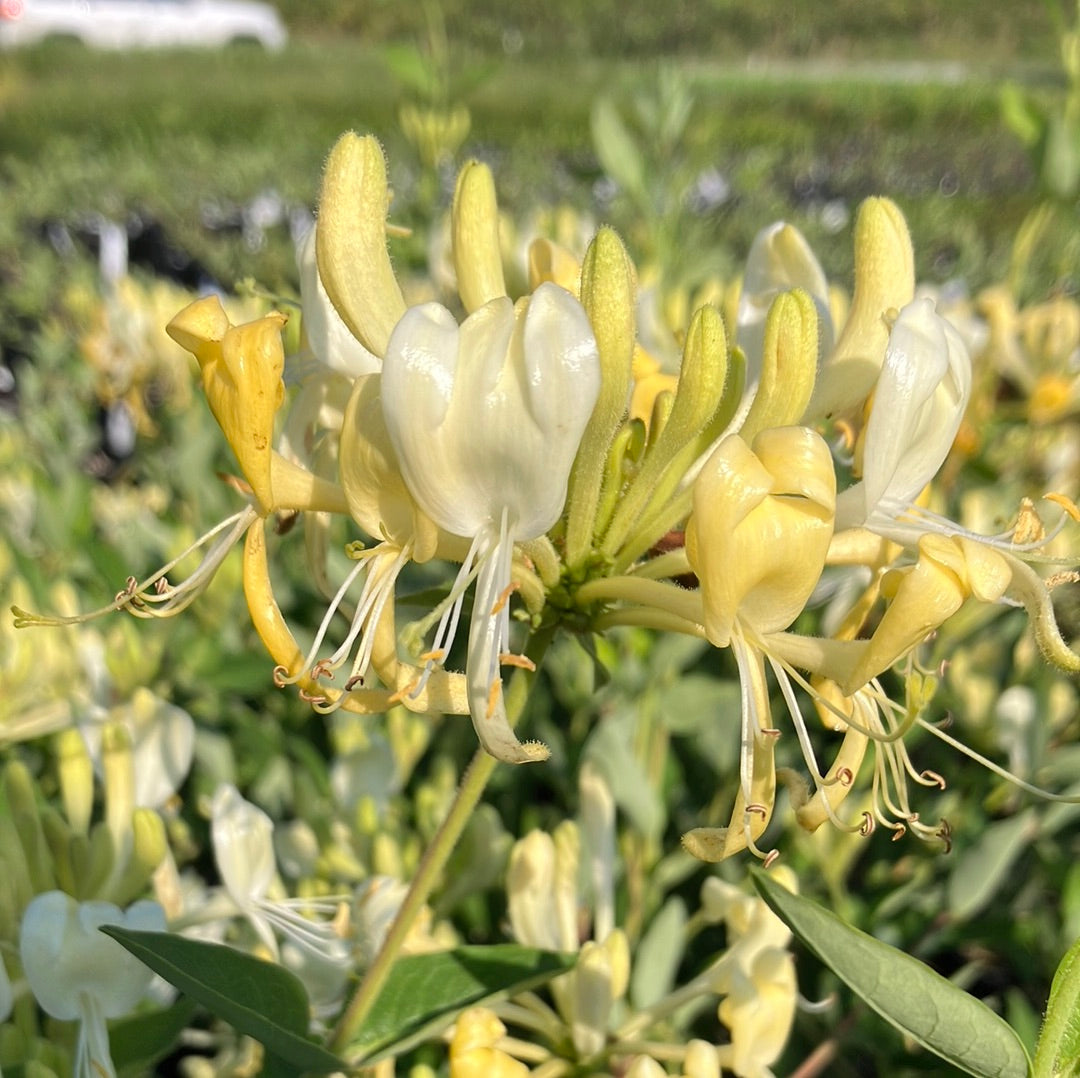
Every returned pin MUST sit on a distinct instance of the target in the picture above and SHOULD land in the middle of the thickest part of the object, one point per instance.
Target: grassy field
(169, 135)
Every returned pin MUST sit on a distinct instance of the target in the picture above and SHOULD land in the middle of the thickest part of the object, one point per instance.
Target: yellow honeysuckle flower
(473, 1048)
(760, 530)
(757, 540)
(241, 368)
(923, 596)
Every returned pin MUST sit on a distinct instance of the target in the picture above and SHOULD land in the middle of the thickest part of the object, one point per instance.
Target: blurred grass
(165, 134)
(980, 31)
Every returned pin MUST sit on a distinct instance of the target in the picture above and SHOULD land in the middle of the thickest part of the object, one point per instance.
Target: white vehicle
(123, 24)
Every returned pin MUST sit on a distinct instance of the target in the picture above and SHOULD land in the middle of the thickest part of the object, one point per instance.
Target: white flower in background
(485, 419)
(918, 404)
(780, 260)
(243, 840)
(162, 744)
(77, 973)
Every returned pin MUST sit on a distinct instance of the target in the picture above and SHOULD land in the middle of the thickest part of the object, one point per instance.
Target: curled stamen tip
(163, 587)
(280, 676)
(523, 662)
(757, 810)
(770, 858)
(771, 732)
(312, 698)
(867, 827)
(357, 680)
(844, 776)
(934, 779)
(323, 668)
(504, 597)
(899, 831)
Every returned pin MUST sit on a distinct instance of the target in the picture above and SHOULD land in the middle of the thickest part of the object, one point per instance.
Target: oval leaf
(981, 870)
(915, 999)
(424, 993)
(1058, 1054)
(258, 998)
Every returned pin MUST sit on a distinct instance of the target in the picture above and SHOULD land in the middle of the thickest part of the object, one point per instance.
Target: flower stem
(472, 787)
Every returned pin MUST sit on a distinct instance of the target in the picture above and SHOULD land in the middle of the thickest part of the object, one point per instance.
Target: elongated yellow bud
(884, 282)
(475, 229)
(607, 294)
(350, 244)
(788, 364)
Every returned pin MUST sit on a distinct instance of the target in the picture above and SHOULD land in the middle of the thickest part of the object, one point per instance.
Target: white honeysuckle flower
(542, 889)
(918, 405)
(485, 419)
(243, 840)
(162, 744)
(77, 973)
(329, 338)
(780, 260)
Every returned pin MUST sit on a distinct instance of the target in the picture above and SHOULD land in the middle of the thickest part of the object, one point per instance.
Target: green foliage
(259, 998)
(1058, 1054)
(916, 1000)
(425, 992)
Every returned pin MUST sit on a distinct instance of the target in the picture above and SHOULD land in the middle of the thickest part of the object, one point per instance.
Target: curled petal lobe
(488, 416)
(241, 369)
(918, 405)
(923, 596)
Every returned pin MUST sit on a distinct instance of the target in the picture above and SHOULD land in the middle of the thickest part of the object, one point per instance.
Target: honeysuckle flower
(757, 540)
(780, 260)
(474, 1051)
(162, 743)
(77, 973)
(918, 404)
(485, 420)
(242, 836)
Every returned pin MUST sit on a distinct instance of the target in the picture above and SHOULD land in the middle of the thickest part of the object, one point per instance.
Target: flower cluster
(533, 443)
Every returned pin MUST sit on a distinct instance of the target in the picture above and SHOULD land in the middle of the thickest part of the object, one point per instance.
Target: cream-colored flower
(485, 419)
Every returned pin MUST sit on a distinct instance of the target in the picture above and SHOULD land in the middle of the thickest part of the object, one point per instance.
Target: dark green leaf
(425, 992)
(910, 995)
(258, 998)
(1058, 1054)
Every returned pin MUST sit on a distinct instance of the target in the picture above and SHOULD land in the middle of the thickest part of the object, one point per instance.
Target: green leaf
(616, 148)
(919, 1002)
(982, 869)
(258, 998)
(658, 955)
(137, 1043)
(1058, 1054)
(425, 992)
